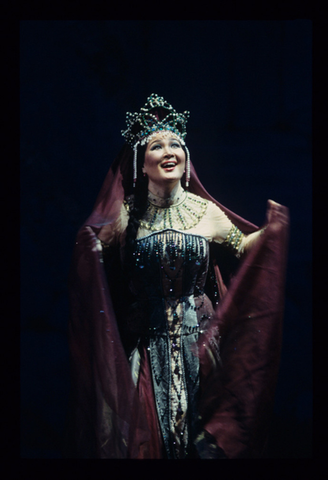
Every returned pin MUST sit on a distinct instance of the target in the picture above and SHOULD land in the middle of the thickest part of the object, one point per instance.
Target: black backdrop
(248, 87)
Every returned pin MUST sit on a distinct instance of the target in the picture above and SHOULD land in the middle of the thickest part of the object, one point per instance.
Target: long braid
(137, 209)
(135, 315)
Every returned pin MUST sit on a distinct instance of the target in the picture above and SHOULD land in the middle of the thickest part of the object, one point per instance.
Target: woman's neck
(165, 196)
(165, 191)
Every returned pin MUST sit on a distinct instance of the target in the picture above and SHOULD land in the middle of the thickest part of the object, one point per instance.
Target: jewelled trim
(144, 237)
(141, 124)
(169, 245)
(104, 245)
(144, 124)
(234, 239)
(182, 216)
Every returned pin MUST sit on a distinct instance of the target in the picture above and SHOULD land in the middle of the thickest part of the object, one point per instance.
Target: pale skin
(165, 182)
(164, 165)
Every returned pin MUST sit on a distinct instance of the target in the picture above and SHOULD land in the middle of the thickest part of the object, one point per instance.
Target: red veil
(110, 417)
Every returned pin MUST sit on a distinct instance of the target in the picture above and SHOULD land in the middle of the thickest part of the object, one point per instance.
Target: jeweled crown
(157, 114)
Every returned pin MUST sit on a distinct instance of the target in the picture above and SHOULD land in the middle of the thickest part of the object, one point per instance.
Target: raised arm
(227, 234)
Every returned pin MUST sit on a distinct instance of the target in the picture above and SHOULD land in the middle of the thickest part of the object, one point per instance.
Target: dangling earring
(135, 164)
(187, 167)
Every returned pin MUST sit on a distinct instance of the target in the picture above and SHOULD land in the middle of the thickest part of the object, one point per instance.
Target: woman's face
(164, 160)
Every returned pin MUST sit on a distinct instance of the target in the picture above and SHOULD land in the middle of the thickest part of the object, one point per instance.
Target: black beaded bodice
(170, 271)
(172, 264)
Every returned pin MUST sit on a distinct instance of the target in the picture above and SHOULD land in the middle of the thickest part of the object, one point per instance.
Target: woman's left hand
(272, 207)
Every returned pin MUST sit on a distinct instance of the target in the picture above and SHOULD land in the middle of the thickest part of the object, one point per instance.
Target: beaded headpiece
(155, 116)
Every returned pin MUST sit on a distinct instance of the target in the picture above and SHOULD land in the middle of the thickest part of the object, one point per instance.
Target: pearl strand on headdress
(135, 154)
(146, 140)
(187, 166)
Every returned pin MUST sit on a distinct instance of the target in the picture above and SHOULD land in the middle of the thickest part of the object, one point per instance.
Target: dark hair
(137, 208)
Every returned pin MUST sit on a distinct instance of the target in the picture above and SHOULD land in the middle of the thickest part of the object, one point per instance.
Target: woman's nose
(168, 150)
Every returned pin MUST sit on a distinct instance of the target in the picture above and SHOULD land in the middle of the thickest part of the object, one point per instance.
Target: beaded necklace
(182, 213)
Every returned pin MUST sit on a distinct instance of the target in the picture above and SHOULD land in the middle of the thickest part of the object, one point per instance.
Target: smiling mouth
(169, 165)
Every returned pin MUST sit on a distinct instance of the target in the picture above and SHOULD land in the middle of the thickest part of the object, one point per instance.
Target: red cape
(110, 418)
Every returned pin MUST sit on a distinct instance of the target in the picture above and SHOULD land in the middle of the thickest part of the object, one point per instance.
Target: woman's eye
(158, 146)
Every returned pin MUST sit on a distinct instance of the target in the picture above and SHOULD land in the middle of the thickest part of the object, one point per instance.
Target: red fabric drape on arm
(111, 418)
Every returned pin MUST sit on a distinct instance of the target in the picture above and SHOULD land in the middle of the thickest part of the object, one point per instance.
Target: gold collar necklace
(182, 212)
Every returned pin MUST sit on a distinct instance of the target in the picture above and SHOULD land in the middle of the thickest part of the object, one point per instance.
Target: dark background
(248, 87)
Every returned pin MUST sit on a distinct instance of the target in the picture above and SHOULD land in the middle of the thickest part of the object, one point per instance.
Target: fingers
(277, 211)
(272, 203)
(90, 239)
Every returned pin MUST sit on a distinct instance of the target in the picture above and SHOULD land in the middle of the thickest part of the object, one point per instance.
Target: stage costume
(180, 358)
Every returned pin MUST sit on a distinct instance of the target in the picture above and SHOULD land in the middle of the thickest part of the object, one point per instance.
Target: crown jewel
(157, 114)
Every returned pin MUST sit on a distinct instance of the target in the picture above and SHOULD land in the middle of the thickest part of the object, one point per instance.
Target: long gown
(171, 266)
(113, 414)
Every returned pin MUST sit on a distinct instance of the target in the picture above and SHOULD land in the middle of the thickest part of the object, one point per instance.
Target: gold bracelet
(234, 239)
(105, 247)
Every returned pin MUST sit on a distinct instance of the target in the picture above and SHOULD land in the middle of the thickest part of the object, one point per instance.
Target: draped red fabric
(110, 417)
(237, 395)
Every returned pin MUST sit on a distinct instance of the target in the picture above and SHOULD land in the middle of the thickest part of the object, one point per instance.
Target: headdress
(155, 116)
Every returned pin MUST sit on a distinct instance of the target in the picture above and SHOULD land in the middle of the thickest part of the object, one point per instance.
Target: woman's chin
(170, 180)
(171, 176)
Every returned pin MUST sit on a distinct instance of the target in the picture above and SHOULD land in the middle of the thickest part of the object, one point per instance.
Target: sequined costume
(131, 402)
(170, 272)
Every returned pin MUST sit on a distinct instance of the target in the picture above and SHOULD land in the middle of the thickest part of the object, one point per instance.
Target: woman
(150, 309)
